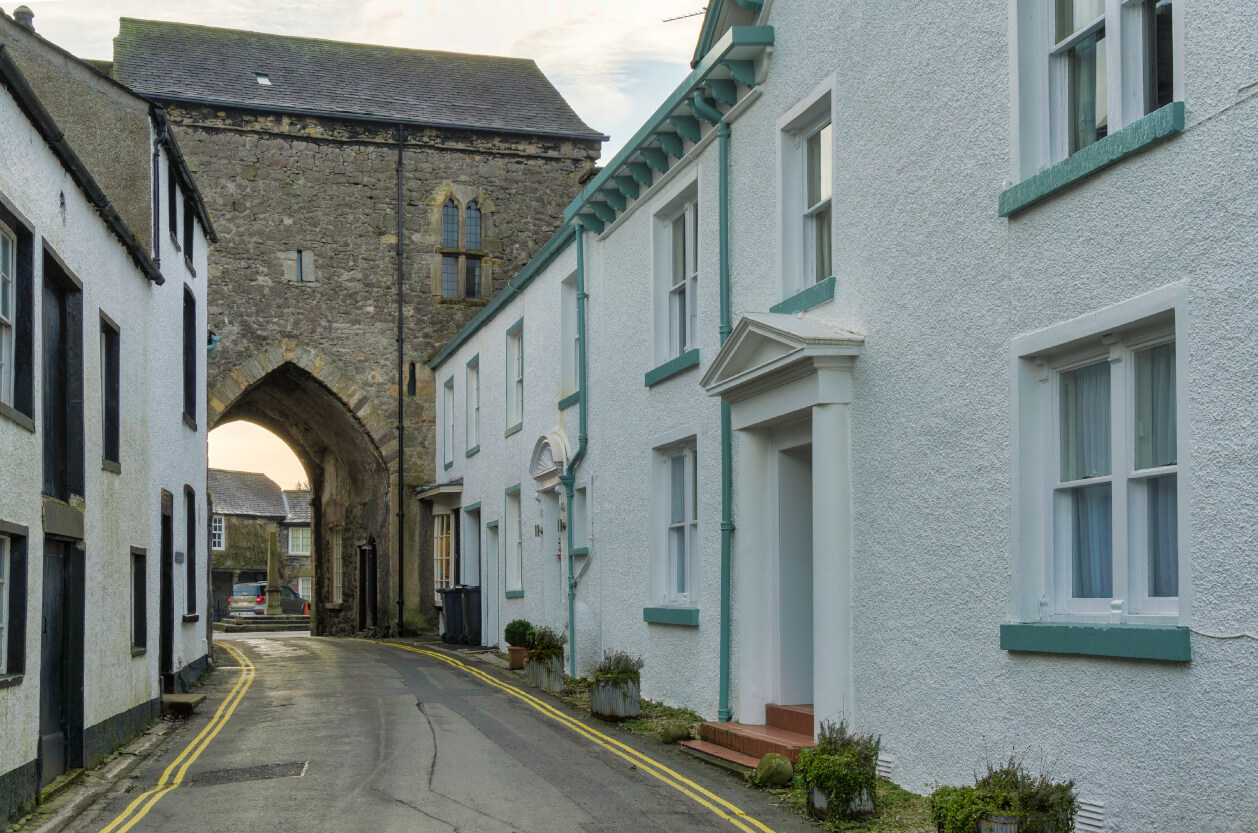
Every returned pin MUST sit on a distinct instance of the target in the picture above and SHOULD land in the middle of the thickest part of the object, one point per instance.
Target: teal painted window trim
(814, 295)
(1159, 125)
(491, 525)
(513, 594)
(514, 429)
(569, 400)
(1166, 643)
(511, 490)
(474, 449)
(472, 507)
(685, 616)
(579, 551)
(672, 367)
(449, 464)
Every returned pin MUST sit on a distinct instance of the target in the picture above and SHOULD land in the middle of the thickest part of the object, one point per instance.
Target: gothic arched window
(461, 240)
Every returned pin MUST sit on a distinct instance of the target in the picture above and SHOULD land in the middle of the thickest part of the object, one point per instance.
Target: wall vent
(1091, 818)
(886, 765)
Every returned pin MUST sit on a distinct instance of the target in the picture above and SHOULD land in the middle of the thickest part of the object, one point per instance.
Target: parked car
(249, 599)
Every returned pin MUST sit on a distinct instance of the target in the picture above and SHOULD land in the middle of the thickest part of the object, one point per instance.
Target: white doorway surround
(788, 383)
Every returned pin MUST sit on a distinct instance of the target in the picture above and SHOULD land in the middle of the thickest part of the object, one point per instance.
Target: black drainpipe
(401, 436)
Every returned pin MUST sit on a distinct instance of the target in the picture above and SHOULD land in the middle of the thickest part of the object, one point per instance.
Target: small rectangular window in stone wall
(298, 266)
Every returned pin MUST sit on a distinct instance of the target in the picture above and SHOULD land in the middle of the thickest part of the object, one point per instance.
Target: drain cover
(263, 772)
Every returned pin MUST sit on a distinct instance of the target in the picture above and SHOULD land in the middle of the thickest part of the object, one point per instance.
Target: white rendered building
(103, 509)
(976, 315)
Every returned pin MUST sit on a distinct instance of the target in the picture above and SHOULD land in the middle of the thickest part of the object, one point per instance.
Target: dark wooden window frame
(16, 585)
(111, 393)
(139, 601)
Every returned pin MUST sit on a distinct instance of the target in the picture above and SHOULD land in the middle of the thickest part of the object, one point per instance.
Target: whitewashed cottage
(898, 369)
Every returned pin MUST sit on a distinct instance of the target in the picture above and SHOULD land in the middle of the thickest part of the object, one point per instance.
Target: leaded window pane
(1156, 422)
(449, 277)
(1085, 422)
(450, 225)
(472, 278)
(1093, 542)
(472, 226)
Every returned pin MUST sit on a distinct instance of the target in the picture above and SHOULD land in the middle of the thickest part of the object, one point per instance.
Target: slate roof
(246, 493)
(298, 502)
(181, 62)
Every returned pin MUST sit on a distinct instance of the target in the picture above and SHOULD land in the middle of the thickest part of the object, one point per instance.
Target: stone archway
(350, 454)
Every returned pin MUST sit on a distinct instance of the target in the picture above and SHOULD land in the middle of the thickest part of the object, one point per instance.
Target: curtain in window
(1156, 423)
(1093, 542)
(1085, 440)
(1163, 536)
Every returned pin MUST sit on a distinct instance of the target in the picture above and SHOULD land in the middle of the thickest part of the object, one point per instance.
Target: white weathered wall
(156, 449)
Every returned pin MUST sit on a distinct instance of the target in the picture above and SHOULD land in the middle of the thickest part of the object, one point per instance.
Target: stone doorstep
(756, 741)
(725, 758)
(181, 705)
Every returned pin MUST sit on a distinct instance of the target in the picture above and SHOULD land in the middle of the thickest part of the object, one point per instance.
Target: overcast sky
(613, 61)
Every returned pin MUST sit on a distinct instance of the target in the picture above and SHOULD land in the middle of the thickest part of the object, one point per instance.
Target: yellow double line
(722, 808)
(174, 774)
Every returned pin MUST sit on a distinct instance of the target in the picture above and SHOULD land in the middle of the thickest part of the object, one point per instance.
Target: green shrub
(843, 766)
(546, 644)
(618, 668)
(519, 633)
(1046, 806)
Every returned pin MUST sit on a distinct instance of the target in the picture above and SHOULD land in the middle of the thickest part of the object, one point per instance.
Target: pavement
(393, 735)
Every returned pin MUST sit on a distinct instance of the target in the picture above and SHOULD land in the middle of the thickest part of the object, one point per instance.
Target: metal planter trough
(615, 701)
(996, 823)
(547, 675)
(819, 808)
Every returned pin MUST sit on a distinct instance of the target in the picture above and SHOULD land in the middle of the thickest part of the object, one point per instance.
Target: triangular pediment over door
(770, 350)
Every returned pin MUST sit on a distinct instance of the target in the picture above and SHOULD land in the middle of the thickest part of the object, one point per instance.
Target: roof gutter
(392, 121)
(182, 172)
(30, 104)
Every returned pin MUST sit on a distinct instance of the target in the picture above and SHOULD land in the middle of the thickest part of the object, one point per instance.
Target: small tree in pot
(544, 668)
(519, 634)
(841, 773)
(617, 683)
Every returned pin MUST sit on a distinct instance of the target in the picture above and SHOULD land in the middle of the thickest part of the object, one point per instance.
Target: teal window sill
(1159, 125)
(1166, 643)
(514, 429)
(672, 367)
(570, 400)
(449, 464)
(813, 296)
(686, 616)
(473, 450)
(514, 594)
(579, 551)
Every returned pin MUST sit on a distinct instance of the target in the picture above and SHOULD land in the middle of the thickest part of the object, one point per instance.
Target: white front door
(794, 553)
(491, 594)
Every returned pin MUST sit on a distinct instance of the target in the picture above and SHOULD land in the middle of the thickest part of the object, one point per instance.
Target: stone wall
(279, 185)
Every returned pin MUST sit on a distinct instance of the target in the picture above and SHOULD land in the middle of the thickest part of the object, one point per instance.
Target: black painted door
(56, 393)
(53, 671)
(166, 628)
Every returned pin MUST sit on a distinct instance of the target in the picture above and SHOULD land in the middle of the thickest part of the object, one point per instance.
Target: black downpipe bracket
(401, 436)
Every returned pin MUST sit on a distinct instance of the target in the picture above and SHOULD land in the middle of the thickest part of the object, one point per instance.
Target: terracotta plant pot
(516, 656)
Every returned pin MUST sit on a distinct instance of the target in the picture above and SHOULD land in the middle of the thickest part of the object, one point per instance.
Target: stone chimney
(24, 17)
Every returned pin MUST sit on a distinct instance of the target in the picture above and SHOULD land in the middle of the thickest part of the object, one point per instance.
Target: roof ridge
(308, 39)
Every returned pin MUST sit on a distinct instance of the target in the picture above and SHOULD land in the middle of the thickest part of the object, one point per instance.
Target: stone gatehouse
(312, 155)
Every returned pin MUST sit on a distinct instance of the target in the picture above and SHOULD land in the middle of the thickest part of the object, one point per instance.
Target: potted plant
(617, 683)
(841, 773)
(518, 633)
(544, 668)
(1008, 799)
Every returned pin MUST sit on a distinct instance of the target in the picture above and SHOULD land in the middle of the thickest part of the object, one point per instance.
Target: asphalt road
(345, 735)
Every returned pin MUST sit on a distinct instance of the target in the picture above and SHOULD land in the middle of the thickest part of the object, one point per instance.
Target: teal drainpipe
(568, 478)
(727, 438)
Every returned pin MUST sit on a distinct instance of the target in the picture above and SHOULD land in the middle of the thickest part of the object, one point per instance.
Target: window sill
(473, 450)
(579, 551)
(672, 367)
(449, 464)
(684, 616)
(514, 429)
(189, 618)
(1154, 642)
(1159, 125)
(806, 299)
(111, 465)
(514, 594)
(190, 422)
(14, 415)
(569, 400)
(463, 302)
(138, 652)
(7, 680)
(192, 270)
(175, 241)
